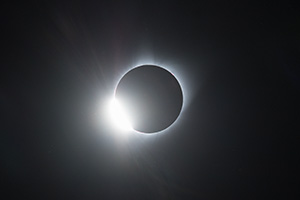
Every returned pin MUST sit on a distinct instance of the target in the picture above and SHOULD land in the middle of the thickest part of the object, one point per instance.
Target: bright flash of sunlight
(118, 116)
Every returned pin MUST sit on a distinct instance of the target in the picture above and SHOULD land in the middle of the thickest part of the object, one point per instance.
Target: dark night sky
(238, 137)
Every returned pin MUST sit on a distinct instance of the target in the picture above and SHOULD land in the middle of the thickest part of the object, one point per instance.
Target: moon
(151, 96)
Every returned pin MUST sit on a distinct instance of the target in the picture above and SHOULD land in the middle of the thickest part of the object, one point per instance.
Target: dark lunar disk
(151, 96)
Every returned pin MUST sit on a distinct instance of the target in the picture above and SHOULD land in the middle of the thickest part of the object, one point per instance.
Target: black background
(238, 137)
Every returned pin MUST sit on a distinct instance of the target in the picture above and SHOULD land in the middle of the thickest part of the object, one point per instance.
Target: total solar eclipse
(151, 97)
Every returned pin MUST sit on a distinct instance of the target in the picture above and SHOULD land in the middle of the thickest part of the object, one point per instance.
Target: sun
(118, 116)
(122, 120)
